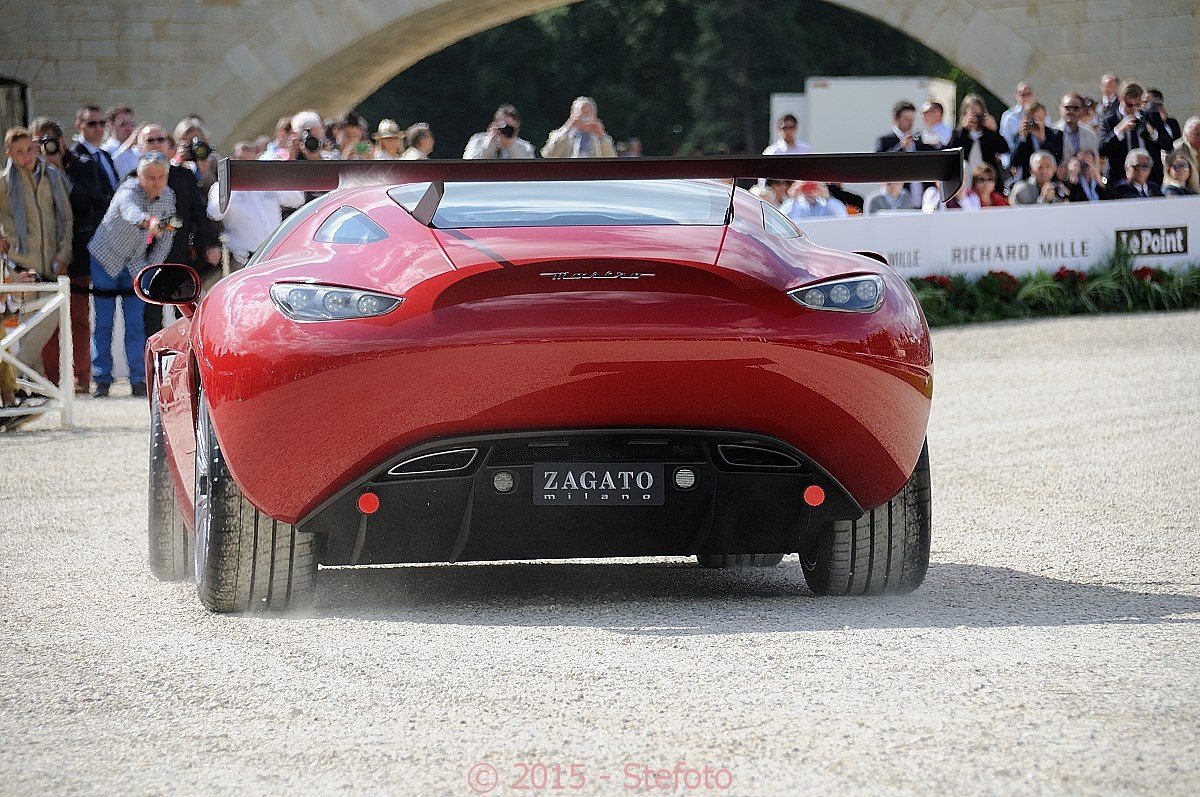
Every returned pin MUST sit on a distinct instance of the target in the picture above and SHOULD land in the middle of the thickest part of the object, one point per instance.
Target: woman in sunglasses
(981, 193)
(1179, 172)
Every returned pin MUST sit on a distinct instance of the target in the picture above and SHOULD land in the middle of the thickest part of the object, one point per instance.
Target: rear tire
(245, 560)
(738, 561)
(170, 559)
(886, 551)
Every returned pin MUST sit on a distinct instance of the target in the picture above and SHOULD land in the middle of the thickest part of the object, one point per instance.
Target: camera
(49, 145)
(979, 119)
(1084, 167)
(508, 131)
(309, 142)
(196, 150)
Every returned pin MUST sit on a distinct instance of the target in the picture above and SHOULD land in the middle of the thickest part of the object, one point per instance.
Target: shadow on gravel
(678, 598)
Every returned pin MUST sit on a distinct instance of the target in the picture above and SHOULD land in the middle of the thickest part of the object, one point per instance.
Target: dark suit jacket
(1077, 194)
(1123, 190)
(1173, 129)
(991, 144)
(890, 143)
(1115, 147)
(90, 194)
(1025, 149)
(192, 209)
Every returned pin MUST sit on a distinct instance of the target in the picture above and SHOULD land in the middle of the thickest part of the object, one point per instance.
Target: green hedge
(1112, 287)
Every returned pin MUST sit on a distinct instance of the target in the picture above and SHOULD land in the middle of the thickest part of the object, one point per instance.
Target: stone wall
(241, 64)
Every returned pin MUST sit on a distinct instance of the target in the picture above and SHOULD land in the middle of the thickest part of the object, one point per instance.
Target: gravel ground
(1052, 650)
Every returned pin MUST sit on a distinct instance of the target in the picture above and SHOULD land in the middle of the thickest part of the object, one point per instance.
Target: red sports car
(446, 361)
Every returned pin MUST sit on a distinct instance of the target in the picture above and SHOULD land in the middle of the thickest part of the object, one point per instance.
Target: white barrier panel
(1020, 240)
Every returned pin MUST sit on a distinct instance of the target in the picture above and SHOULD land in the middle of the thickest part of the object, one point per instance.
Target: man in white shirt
(252, 215)
(121, 141)
(787, 143)
(501, 139)
(1010, 120)
(936, 132)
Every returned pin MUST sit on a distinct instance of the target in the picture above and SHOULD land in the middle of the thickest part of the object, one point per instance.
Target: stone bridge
(240, 64)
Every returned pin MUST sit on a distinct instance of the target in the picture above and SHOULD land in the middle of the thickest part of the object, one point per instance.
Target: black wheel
(170, 559)
(245, 560)
(738, 561)
(886, 551)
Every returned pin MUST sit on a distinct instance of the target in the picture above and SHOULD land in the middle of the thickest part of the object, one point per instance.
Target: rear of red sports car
(560, 370)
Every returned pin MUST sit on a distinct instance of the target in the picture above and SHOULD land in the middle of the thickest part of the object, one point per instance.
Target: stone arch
(297, 61)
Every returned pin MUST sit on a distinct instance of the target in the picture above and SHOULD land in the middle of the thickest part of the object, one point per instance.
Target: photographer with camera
(87, 209)
(194, 153)
(195, 242)
(500, 140)
(581, 136)
(1128, 128)
(137, 231)
(1042, 187)
(305, 140)
(1034, 136)
(1155, 105)
(1083, 177)
(977, 135)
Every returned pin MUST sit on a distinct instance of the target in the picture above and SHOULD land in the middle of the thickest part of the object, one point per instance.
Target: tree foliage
(682, 75)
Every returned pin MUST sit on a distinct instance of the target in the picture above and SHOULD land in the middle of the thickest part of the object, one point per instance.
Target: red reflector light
(814, 495)
(368, 503)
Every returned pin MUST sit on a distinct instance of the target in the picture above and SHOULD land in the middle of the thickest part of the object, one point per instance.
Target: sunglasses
(94, 123)
(1141, 167)
(157, 140)
(1072, 107)
(1181, 165)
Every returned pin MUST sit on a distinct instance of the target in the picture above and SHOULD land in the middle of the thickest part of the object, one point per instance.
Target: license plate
(598, 484)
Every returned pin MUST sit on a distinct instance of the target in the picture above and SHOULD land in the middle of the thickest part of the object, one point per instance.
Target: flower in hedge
(937, 281)
(1150, 274)
(1070, 276)
(1000, 284)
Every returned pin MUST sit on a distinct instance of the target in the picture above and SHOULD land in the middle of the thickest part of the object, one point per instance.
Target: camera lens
(198, 149)
(508, 131)
(49, 145)
(310, 142)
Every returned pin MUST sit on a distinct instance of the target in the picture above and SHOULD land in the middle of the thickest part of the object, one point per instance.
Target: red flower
(1070, 275)
(937, 281)
(1144, 273)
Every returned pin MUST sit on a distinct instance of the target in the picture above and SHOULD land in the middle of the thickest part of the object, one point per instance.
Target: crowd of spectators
(1124, 145)
(123, 194)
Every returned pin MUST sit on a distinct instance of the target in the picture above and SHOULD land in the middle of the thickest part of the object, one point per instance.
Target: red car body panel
(489, 340)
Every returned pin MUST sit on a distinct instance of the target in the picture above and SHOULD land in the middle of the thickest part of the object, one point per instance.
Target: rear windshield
(587, 203)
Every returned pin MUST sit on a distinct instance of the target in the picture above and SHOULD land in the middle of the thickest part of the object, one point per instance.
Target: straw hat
(388, 129)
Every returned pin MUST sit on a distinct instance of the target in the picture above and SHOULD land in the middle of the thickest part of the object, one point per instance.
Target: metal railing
(61, 397)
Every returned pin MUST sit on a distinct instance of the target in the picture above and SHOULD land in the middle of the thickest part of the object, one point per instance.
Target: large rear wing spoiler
(945, 166)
